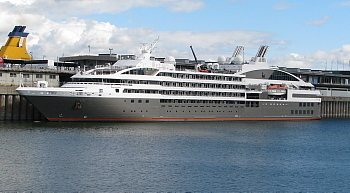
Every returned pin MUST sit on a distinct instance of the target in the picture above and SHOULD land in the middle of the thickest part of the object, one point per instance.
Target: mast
(194, 55)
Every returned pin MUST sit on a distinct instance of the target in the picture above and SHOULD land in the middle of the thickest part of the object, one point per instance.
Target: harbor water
(257, 156)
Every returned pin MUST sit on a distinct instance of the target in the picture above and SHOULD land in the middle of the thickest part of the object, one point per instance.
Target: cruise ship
(146, 89)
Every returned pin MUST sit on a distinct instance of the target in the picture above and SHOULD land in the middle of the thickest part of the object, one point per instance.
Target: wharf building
(334, 87)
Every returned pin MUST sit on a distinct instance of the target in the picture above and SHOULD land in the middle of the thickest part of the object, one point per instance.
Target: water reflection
(149, 157)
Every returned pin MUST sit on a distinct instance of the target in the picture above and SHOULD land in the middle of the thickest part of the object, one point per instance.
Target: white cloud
(283, 6)
(237, 1)
(67, 35)
(64, 8)
(186, 6)
(54, 31)
(345, 3)
(319, 21)
(320, 59)
(19, 2)
(73, 36)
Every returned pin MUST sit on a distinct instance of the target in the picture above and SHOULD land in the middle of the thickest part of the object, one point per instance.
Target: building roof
(104, 58)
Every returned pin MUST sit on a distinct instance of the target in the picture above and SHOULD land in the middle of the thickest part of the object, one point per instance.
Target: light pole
(110, 52)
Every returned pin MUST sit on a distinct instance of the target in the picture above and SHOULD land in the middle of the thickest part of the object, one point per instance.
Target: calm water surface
(307, 156)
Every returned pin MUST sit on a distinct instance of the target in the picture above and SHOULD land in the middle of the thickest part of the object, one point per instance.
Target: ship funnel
(15, 47)
(238, 51)
(237, 57)
(260, 55)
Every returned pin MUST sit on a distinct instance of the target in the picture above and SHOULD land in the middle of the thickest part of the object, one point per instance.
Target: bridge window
(271, 74)
(141, 71)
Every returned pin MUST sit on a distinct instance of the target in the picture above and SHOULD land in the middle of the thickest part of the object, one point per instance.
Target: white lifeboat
(276, 89)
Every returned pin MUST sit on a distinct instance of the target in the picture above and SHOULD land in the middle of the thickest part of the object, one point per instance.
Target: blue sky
(300, 33)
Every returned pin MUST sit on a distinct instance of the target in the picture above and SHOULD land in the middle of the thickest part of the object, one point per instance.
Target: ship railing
(54, 69)
(98, 83)
(334, 92)
(198, 94)
(208, 71)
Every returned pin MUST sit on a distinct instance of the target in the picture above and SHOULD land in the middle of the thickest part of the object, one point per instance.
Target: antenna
(194, 55)
(153, 45)
(149, 49)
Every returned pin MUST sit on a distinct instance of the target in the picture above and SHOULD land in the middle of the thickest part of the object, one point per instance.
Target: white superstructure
(150, 90)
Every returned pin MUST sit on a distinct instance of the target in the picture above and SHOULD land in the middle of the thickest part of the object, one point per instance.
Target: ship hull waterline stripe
(192, 119)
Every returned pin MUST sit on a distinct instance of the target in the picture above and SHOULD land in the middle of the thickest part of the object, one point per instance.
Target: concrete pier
(17, 108)
(335, 107)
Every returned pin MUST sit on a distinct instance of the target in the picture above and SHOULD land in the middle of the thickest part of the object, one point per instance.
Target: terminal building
(89, 61)
(330, 83)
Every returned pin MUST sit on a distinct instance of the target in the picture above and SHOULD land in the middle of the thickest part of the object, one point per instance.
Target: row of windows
(201, 101)
(247, 103)
(169, 111)
(199, 76)
(203, 85)
(306, 104)
(164, 83)
(142, 71)
(279, 75)
(104, 71)
(12, 74)
(251, 104)
(268, 74)
(296, 112)
(176, 106)
(302, 112)
(304, 95)
(134, 111)
(194, 111)
(271, 74)
(138, 101)
(185, 93)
